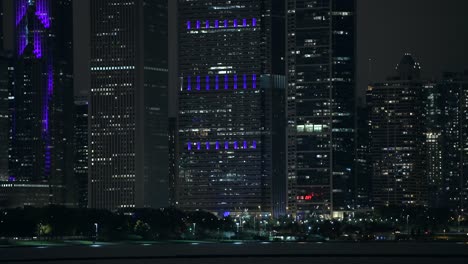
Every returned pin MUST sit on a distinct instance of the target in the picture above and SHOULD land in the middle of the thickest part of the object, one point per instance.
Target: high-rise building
(452, 186)
(40, 102)
(128, 147)
(230, 67)
(362, 172)
(434, 142)
(321, 83)
(81, 151)
(397, 137)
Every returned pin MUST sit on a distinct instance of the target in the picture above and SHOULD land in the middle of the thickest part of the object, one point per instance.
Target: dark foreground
(244, 253)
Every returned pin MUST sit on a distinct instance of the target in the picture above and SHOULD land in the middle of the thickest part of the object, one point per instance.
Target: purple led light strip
(42, 12)
(37, 45)
(21, 8)
(226, 82)
(225, 23)
(235, 145)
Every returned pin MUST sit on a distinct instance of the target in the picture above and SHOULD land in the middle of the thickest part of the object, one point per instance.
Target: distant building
(81, 151)
(41, 100)
(452, 186)
(230, 60)
(321, 96)
(128, 128)
(362, 180)
(397, 138)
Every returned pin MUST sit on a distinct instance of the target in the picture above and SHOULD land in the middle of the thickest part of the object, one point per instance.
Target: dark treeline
(58, 221)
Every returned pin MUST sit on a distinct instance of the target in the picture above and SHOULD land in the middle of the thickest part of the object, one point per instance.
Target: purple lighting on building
(236, 146)
(254, 144)
(198, 24)
(225, 82)
(245, 81)
(216, 23)
(244, 22)
(22, 43)
(245, 144)
(37, 45)
(254, 81)
(226, 145)
(198, 82)
(198, 145)
(207, 145)
(217, 145)
(42, 12)
(235, 81)
(188, 25)
(217, 82)
(207, 82)
(11, 178)
(21, 8)
(225, 23)
(207, 24)
(235, 22)
(254, 22)
(189, 146)
(189, 83)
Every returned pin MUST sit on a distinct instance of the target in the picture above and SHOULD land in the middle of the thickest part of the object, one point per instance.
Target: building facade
(40, 140)
(128, 141)
(397, 138)
(81, 152)
(226, 56)
(321, 83)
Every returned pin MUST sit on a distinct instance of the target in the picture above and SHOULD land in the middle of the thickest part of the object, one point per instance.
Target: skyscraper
(397, 137)
(81, 152)
(321, 83)
(226, 53)
(128, 148)
(453, 184)
(39, 164)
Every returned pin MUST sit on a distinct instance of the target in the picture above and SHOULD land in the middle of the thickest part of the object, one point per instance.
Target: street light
(407, 225)
(96, 229)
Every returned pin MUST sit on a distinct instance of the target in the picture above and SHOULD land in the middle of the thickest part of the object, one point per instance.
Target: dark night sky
(435, 32)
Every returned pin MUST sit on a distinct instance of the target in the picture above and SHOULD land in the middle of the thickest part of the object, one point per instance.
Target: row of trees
(170, 223)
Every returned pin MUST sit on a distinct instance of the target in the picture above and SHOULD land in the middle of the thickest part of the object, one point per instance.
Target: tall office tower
(321, 84)
(454, 89)
(40, 99)
(434, 139)
(81, 151)
(5, 89)
(228, 54)
(128, 148)
(173, 150)
(397, 138)
(362, 172)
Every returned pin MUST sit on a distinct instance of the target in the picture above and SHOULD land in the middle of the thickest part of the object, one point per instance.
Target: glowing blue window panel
(235, 81)
(198, 145)
(198, 82)
(236, 146)
(244, 22)
(207, 82)
(254, 22)
(245, 144)
(189, 25)
(235, 22)
(225, 23)
(216, 82)
(216, 23)
(207, 24)
(226, 145)
(245, 81)
(198, 24)
(254, 81)
(207, 145)
(189, 83)
(226, 82)
(189, 146)
(217, 145)
(254, 144)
